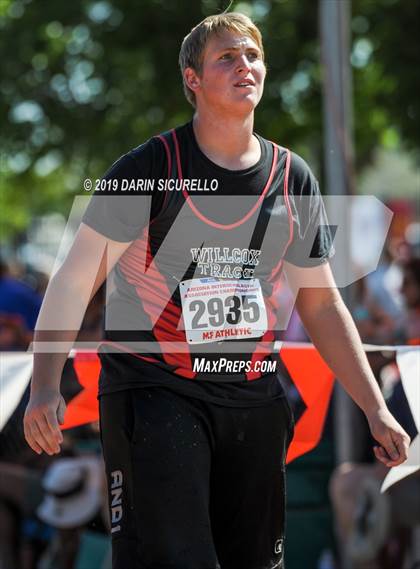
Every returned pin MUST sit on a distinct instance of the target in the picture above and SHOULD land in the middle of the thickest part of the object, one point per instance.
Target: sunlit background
(83, 82)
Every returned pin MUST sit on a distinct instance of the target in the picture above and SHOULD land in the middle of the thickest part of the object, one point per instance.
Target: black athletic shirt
(200, 230)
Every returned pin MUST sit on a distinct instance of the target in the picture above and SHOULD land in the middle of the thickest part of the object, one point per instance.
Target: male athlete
(194, 422)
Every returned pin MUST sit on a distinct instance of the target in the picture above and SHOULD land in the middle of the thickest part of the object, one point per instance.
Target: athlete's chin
(244, 105)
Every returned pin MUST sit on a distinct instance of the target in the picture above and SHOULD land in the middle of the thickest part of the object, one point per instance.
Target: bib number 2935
(215, 310)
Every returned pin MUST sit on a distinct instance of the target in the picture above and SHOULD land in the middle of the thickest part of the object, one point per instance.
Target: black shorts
(192, 484)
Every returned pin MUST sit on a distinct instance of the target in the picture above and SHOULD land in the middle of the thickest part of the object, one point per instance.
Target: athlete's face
(232, 76)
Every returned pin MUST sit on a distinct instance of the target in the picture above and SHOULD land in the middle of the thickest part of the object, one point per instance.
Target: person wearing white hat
(73, 492)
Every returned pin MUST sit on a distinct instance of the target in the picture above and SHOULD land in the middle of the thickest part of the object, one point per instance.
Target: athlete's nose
(243, 63)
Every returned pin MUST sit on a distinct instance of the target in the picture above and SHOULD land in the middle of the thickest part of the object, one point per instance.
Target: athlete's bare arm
(333, 332)
(69, 292)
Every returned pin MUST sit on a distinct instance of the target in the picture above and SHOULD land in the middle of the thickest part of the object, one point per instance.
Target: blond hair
(193, 45)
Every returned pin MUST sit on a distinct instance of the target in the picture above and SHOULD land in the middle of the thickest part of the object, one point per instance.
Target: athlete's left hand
(393, 440)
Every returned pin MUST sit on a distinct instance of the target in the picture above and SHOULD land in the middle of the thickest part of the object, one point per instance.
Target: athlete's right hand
(43, 415)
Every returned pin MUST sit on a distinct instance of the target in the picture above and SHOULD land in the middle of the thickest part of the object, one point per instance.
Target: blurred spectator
(73, 492)
(375, 325)
(14, 336)
(27, 542)
(55, 508)
(19, 307)
(410, 288)
(17, 298)
(374, 529)
(412, 237)
(383, 285)
(74, 497)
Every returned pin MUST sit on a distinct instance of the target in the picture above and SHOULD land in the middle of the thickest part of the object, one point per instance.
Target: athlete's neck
(228, 143)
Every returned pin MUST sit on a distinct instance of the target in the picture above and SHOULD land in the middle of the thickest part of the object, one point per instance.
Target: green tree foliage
(81, 82)
(385, 60)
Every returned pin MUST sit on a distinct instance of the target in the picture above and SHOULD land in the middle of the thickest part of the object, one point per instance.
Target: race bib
(215, 310)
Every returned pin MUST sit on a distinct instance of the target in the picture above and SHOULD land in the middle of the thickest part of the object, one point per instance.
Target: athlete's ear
(192, 79)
